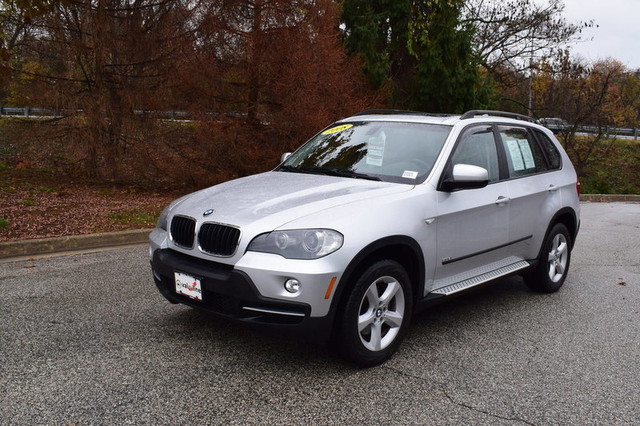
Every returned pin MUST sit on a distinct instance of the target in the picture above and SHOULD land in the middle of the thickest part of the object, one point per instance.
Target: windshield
(386, 151)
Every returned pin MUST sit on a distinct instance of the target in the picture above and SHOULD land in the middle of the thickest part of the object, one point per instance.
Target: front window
(478, 148)
(386, 151)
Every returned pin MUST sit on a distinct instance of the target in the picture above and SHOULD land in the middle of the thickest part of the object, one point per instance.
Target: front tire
(376, 314)
(553, 265)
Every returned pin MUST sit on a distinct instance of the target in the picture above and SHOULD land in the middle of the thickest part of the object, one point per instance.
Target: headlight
(162, 220)
(298, 243)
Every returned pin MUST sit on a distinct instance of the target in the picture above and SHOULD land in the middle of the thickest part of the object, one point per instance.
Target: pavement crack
(453, 401)
(470, 407)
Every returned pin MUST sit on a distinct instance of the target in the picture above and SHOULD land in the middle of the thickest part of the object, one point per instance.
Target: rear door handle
(552, 188)
(502, 200)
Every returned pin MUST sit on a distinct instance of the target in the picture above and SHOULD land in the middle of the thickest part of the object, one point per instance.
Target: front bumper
(230, 293)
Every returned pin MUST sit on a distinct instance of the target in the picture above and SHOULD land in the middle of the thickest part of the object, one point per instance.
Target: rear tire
(376, 314)
(553, 265)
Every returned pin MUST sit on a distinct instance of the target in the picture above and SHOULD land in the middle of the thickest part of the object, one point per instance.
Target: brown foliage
(257, 76)
(275, 73)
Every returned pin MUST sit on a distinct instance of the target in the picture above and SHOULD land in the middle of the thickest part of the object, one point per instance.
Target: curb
(40, 246)
(610, 198)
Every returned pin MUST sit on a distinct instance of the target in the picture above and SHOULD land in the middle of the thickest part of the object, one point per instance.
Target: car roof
(446, 119)
(404, 118)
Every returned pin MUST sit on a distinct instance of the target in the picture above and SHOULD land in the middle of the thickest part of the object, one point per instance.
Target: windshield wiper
(287, 168)
(340, 173)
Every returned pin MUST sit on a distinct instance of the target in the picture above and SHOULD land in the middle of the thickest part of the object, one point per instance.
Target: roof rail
(476, 112)
(398, 112)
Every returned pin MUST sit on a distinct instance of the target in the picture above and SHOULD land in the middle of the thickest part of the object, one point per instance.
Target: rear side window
(524, 156)
(553, 155)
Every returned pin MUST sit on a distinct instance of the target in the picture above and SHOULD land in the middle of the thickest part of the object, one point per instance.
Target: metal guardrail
(32, 112)
(633, 132)
(23, 111)
(622, 131)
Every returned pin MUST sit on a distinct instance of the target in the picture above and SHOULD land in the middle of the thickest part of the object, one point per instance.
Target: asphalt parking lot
(87, 339)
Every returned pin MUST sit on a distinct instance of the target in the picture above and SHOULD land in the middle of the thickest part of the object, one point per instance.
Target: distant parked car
(376, 216)
(556, 125)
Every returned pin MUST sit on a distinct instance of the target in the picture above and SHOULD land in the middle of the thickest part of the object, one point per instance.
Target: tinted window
(550, 149)
(478, 148)
(390, 151)
(524, 156)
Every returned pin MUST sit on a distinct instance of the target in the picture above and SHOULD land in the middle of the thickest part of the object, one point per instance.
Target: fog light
(292, 285)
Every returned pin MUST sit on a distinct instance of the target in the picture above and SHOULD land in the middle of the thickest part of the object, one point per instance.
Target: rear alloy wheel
(552, 268)
(376, 314)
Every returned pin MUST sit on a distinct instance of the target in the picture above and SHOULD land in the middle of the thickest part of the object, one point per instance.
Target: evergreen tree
(420, 48)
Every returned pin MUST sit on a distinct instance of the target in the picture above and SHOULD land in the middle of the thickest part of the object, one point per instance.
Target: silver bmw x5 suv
(376, 216)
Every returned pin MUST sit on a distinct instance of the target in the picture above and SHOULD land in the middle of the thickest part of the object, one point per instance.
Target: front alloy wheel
(381, 313)
(376, 314)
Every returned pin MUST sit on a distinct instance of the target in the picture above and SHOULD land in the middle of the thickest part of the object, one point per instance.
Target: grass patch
(136, 217)
(616, 172)
(4, 223)
(29, 202)
(46, 189)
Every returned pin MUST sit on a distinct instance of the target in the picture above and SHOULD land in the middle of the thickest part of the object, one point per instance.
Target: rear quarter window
(550, 149)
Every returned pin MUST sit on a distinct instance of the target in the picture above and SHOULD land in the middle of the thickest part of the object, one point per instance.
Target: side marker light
(330, 288)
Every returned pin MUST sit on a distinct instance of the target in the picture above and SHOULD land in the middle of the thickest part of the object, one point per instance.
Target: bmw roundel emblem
(208, 212)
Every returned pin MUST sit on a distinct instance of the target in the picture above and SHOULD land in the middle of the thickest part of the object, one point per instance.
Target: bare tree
(260, 76)
(508, 33)
(103, 59)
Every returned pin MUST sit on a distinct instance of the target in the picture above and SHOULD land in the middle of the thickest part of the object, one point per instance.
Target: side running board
(481, 279)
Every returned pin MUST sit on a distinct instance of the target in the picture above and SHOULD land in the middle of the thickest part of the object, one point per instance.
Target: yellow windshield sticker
(337, 129)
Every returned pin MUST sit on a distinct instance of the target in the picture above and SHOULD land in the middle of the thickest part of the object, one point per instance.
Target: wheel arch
(569, 218)
(400, 248)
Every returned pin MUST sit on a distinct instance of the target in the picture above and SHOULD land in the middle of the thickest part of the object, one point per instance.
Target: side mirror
(285, 156)
(465, 176)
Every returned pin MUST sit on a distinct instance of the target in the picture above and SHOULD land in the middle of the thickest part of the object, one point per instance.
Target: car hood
(273, 199)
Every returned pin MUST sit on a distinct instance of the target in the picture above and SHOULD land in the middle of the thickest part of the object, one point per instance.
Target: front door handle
(502, 200)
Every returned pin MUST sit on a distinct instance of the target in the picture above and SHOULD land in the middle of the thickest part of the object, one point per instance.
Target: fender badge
(208, 212)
